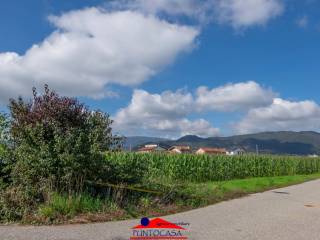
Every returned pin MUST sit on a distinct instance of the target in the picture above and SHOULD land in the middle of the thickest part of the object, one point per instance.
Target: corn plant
(201, 168)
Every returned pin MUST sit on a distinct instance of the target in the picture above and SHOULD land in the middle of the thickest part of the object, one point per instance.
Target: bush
(58, 142)
(2, 161)
(5, 156)
(17, 202)
(4, 130)
(121, 168)
(51, 144)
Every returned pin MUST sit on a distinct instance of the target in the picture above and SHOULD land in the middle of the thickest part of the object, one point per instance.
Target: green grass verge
(63, 208)
(211, 192)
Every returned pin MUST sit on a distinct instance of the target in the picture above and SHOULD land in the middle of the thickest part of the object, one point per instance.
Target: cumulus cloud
(91, 49)
(162, 114)
(190, 8)
(246, 13)
(282, 115)
(166, 114)
(237, 13)
(234, 97)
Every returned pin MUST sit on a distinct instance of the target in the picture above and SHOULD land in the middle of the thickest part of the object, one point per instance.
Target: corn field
(201, 168)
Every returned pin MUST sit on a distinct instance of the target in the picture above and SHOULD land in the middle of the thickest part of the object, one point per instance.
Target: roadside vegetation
(60, 162)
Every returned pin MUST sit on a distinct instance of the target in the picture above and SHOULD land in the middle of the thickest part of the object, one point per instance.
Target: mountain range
(284, 142)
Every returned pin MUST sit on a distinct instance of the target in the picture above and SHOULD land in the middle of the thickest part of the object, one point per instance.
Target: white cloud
(166, 114)
(246, 13)
(199, 127)
(162, 114)
(91, 49)
(234, 97)
(282, 115)
(237, 13)
(171, 7)
(303, 22)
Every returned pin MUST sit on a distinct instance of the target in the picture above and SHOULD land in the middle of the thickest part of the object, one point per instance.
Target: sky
(169, 68)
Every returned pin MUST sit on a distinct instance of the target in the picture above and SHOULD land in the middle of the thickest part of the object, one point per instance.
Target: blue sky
(170, 67)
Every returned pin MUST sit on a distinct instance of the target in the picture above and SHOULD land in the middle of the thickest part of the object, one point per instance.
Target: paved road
(278, 214)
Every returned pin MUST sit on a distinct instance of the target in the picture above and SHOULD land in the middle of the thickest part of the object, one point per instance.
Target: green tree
(4, 148)
(59, 142)
(4, 129)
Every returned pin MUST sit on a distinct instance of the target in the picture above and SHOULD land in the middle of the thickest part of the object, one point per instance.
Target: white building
(236, 151)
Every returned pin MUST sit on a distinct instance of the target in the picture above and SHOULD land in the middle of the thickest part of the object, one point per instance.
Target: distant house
(207, 150)
(180, 149)
(151, 148)
(236, 151)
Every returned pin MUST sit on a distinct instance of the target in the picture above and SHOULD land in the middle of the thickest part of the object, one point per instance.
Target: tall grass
(201, 168)
(71, 205)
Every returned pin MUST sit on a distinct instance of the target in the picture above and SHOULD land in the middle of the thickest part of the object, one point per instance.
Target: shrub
(5, 156)
(17, 202)
(121, 168)
(4, 129)
(58, 142)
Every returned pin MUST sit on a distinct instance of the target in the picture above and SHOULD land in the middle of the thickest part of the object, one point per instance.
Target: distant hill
(295, 143)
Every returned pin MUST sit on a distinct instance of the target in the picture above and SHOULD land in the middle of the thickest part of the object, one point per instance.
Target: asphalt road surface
(291, 213)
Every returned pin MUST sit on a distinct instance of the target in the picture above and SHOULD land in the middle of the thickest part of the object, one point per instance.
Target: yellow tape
(125, 187)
